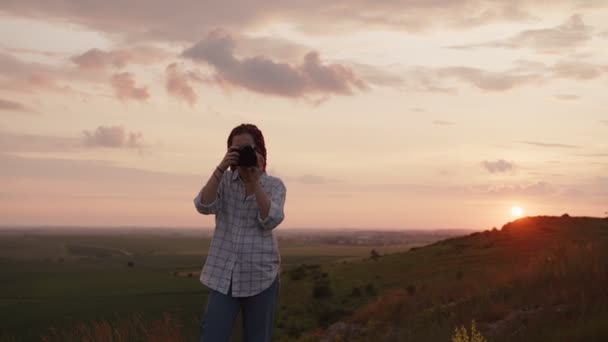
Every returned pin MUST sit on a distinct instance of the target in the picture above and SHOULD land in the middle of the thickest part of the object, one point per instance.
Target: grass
(536, 279)
(64, 285)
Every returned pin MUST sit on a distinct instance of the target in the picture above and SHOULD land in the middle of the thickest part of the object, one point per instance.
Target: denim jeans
(258, 314)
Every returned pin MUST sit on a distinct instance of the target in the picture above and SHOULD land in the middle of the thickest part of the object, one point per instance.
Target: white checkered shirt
(243, 248)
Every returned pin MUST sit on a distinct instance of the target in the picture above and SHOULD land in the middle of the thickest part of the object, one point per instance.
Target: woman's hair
(258, 139)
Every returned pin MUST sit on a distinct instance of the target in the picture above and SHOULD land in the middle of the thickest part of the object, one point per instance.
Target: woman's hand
(251, 175)
(231, 158)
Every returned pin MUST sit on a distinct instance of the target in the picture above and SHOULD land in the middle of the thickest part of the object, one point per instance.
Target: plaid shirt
(243, 249)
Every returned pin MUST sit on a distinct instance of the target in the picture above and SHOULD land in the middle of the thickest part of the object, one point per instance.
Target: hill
(536, 279)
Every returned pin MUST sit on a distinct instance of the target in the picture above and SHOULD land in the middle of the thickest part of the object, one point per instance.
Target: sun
(517, 211)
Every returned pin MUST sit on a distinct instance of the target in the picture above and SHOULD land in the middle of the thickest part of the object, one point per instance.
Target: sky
(400, 114)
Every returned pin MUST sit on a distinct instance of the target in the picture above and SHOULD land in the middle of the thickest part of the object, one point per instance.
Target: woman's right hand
(231, 158)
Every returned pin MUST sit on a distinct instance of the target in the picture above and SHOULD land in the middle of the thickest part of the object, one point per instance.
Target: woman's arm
(206, 202)
(271, 204)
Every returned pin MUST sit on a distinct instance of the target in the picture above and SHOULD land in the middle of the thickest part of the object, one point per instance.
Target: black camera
(247, 156)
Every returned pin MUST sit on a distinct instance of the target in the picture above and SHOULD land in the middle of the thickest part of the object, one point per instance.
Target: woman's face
(241, 140)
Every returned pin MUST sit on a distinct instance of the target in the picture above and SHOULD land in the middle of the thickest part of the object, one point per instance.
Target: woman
(242, 266)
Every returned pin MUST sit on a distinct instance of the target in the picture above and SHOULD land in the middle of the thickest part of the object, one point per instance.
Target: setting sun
(517, 211)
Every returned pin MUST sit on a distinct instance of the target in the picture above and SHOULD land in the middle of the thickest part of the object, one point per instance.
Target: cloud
(489, 80)
(443, 123)
(428, 80)
(567, 97)
(193, 18)
(20, 76)
(281, 49)
(113, 137)
(498, 166)
(125, 89)
(103, 136)
(524, 73)
(530, 189)
(12, 106)
(13, 50)
(549, 145)
(119, 58)
(263, 75)
(178, 83)
(578, 70)
(22, 142)
(557, 39)
(375, 75)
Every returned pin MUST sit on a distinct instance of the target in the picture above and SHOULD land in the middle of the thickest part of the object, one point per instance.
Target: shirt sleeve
(277, 201)
(213, 207)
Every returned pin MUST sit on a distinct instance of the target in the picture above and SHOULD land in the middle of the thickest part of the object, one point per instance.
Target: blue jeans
(257, 311)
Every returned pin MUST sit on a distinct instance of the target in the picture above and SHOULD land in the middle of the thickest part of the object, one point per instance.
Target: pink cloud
(21, 76)
(178, 84)
(489, 80)
(113, 136)
(263, 75)
(12, 142)
(537, 189)
(162, 20)
(119, 58)
(498, 166)
(125, 89)
(566, 36)
(12, 106)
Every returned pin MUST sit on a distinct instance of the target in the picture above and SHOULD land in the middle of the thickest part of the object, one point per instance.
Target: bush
(374, 254)
(411, 290)
(321, 291)
(305, 270)
(461, 334)
(370, 289)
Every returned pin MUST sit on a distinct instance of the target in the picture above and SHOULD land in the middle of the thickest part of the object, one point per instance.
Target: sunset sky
(377, 114)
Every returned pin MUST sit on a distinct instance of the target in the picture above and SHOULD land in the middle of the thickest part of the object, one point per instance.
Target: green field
(52, 282)
(536, 279)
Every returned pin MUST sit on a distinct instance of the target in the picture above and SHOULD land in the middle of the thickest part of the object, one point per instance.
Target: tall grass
(132, 328)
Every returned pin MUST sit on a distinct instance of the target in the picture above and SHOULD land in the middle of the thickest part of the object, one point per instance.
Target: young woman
(242, 266)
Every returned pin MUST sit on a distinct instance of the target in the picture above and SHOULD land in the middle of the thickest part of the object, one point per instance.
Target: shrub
(321, 291)
(370, 289)
(374, 254)
(461, 334)
(411, 290)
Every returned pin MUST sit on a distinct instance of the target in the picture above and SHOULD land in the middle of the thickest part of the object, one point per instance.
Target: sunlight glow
(517, 211)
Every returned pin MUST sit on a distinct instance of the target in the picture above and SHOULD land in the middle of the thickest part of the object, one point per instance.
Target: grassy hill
(536, 279)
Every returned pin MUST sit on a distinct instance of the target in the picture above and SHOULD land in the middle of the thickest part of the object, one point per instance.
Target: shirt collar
(235, 175)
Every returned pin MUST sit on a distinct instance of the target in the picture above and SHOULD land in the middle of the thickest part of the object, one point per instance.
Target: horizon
(14, 227)
(386, 115)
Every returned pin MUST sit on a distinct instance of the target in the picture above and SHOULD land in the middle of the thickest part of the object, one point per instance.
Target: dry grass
(133, 328)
